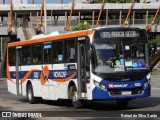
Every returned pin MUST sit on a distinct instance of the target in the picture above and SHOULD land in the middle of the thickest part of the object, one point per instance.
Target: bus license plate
(126, 93)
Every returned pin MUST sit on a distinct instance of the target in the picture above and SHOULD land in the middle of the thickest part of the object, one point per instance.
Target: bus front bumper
(130, 91)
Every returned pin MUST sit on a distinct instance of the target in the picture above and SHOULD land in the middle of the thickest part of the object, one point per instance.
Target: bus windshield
(112, 57)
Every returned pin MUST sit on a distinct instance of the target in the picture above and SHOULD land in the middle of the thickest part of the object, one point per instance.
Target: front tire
(30, 95)
(74, 97)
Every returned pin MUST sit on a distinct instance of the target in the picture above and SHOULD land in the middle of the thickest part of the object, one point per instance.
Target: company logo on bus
(117, 85)
(60, 74)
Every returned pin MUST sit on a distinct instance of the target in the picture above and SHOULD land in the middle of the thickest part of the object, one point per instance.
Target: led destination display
(119, 33)
(115, 34)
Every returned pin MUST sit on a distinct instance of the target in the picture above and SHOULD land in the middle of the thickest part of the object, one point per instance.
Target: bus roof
(51, 37)
(118, 28)
(58, 35)
(51, 34)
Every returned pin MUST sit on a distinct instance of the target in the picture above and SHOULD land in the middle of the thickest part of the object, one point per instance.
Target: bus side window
(36, 50)
(58, 56)
(12, 56)
(26, 55)
(47, 52)
(70, 51)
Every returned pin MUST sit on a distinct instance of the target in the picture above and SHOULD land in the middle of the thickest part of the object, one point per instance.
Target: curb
(2, 79)
(155, 76)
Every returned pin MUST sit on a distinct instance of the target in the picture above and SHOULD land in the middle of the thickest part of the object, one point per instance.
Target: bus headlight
(146, 84)
(96, 83)
(100, 85)
(103, 87)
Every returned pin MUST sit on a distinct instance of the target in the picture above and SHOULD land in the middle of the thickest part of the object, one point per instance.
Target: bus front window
(118, 57)
(105, 57)
(135, 57)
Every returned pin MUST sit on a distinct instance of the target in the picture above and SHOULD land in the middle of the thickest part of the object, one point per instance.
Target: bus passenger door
(82, 69)
(18, 70)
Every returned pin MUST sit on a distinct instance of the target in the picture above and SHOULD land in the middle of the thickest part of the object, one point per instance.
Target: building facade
(19, 1)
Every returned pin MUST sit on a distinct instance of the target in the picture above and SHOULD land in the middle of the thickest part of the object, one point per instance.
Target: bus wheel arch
(73, 92)
(28, 82)
(30, 93)
(71, 83)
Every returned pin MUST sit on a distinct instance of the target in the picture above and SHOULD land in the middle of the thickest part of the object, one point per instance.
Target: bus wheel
(75, 101)
(122, 103)
(30, 95)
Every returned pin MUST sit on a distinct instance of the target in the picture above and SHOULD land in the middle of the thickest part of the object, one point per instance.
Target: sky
(39, 1)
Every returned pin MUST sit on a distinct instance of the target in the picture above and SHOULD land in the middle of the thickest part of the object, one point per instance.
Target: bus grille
(122, 79)
(118, 92)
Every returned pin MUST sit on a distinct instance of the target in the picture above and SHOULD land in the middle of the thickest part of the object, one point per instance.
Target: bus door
(82, 56)
(18, 70)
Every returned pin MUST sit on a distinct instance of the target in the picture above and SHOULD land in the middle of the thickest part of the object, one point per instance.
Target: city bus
(104, 63)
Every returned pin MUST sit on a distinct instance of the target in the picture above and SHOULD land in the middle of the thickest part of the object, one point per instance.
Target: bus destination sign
(116, 34)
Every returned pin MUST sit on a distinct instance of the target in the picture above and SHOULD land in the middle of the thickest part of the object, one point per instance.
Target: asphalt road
(140, 107)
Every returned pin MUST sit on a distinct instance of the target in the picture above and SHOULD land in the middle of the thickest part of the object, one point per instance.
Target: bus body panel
(11, 87)
(53, 88)
(99, 94)
(122, 90)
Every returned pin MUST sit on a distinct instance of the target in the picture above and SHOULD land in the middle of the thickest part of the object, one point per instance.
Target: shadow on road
(105, 105)
(134, 104)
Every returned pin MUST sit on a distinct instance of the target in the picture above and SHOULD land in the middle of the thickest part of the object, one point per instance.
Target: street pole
(45, 17)
(1, 50)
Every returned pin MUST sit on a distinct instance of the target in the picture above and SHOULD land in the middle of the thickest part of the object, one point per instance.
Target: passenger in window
(35, 60)
(12, 59)
(28, 60)
(46, 58)
(72, 54)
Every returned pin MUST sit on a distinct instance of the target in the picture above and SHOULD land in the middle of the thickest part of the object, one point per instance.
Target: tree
(154, 44)
(155, 41)
(81, 26)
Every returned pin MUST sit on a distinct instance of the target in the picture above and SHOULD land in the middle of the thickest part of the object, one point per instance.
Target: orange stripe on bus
(7, 66)
(24, 78)
(28, 74)
(42, 79)
(46, 70)
(52, 38)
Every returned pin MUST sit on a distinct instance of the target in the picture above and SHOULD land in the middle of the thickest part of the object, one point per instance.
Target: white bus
(96, 64)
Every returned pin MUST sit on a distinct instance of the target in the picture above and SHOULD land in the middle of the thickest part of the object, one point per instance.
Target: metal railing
(34, 23)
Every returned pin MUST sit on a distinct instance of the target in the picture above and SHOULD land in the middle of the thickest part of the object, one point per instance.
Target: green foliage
(154, 44)
(155, 41)
(81, 26)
